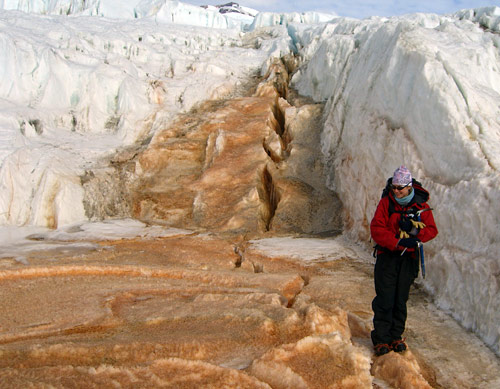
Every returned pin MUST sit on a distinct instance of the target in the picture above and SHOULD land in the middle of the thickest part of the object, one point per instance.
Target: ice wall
(164, 11)
(177, 12)
(110, 8)
(265, 19)
(89, 85)
(168, 11)
(423, 91)
(75, 89)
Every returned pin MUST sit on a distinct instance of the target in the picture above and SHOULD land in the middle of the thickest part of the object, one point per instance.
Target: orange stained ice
(186, 312)
(171, 312)
(208, 309)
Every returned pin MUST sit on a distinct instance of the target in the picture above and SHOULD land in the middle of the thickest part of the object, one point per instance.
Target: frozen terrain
(85, 92)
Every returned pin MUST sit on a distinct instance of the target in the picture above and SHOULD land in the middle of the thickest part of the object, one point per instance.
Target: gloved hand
(403, 234)
(408, 242)
(418, 225)
(405, 224)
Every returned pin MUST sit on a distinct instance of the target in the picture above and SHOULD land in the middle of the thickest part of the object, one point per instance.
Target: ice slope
(422, 90)
(74, 89)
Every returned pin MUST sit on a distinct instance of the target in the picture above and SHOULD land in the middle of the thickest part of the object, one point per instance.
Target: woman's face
(401, 191)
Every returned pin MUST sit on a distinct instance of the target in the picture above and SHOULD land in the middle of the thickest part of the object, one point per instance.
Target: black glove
(405, 224)
(408, 242)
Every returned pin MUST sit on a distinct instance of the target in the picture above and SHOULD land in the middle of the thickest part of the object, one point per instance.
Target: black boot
(399, 345)
(381, 349)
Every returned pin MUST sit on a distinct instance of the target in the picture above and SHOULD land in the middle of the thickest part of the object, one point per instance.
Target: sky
(358, 8)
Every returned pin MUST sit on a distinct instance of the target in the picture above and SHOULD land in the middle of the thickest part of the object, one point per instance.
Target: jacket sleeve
(381, 229)
(430, 230)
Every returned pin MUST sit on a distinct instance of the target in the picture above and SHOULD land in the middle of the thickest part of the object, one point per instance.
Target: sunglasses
(398, 187)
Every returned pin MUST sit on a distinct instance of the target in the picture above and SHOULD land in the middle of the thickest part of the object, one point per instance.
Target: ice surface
(19, 242)
(316, 250)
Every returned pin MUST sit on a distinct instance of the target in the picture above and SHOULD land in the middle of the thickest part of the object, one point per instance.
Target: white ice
(422, 90)
(19, 242)
(310, 249)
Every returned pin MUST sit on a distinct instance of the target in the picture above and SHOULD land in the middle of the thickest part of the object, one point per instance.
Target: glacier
(419, 89)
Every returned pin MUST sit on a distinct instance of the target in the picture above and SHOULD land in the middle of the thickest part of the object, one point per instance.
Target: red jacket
(385, 230)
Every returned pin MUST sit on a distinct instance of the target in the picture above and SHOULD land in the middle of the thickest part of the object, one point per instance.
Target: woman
(401, 221)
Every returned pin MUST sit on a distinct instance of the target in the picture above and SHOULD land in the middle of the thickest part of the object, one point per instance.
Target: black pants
(394, 274)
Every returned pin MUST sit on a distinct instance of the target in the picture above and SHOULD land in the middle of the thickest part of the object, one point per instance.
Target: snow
(422, 90)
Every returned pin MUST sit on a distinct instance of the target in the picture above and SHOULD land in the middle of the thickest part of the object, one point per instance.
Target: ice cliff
(420, 90)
